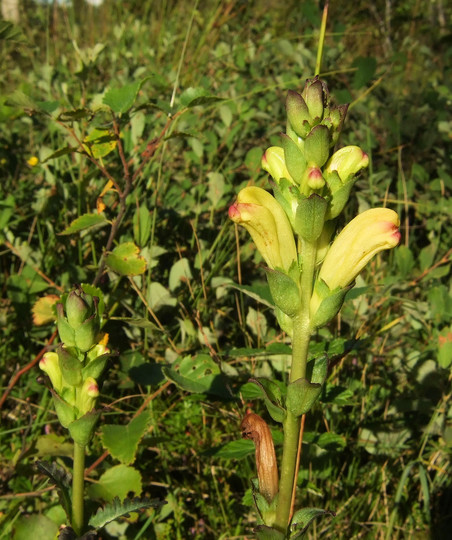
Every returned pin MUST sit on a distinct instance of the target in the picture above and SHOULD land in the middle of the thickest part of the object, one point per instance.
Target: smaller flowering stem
(78, 488)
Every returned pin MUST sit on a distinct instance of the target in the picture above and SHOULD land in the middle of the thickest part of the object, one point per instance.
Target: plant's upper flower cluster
(77, 363)
(311, 187)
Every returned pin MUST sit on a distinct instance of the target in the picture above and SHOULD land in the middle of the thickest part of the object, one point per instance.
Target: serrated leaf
(85, 222)
(116, 509)
(122, 441)
(120, 100)
(62, 480)
(117, 481)
(43, 309)
(125, 260)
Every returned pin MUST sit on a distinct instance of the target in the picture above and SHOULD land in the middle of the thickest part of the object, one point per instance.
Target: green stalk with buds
(308, 273)
(74, 370)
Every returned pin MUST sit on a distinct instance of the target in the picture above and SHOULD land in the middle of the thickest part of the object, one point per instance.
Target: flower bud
(263, 217)
(255, 428)
(88, 395)
(274, 163)
(82, 323)
(50, 364)
(314, 178)
(79, 307)
(313, 94)
(347, 162)
(298, 113)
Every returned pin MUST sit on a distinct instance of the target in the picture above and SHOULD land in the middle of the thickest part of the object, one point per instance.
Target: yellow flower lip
(274, 162)
(264, 218)
(366, 235)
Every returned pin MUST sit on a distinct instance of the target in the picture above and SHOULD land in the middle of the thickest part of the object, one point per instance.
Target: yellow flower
(274, 162)
(32, 161)
(50, 363)
(366, 235)
(263, 217)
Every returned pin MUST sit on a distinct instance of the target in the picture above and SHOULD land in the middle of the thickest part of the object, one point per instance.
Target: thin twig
(26, 368)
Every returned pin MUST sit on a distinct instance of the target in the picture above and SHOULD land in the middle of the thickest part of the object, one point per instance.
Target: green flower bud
(298, 113)
(79, 307)
(65, 331)
(315, 98)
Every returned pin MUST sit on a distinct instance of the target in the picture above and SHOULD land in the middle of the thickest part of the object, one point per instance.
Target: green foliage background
(378, 446)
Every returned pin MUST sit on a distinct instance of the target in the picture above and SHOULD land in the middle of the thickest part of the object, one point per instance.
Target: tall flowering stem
(308, 275)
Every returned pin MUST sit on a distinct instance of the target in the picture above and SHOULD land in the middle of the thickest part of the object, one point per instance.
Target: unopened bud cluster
(77, 363)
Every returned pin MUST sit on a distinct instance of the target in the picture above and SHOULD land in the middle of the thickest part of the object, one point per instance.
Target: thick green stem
(78, 488)
(300, 346)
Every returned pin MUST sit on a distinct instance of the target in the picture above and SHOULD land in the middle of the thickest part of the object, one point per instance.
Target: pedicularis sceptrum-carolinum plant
(309, 274)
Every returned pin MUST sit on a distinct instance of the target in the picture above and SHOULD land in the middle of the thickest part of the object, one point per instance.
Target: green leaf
(303, 518)
(267, 533)
(117, 481)
(100, 142)
(53, 445)
(445, 348)
(285, 292)
(34, 526)
(192, 97)
(272, 395)
(120, 100)
(122, 441)
(216, 187)
(180, 272)
(125, 260)
(259, 292)
(158, 296)
(301, 396)
(81, 430)
(142, 222)
(198, 374)
(62, 480)
(86, 221)
(365, 71)
(235, 449)
(116, 509)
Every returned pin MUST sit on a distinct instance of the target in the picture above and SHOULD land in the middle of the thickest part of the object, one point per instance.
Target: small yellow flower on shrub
(32, 161)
